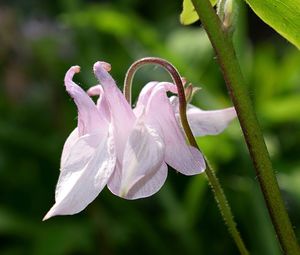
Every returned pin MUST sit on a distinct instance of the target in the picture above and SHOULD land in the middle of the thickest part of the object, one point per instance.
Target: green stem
(213, 180)
(226, 56)
(225, 208)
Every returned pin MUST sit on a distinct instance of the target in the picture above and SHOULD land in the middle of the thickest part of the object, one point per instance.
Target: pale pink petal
(146, 92)
(143, 158)
(102, 104)
(206, 122)
(89, 119)
(148, 185)
(85, 172)
(96, 90)
(209, 122)
(179, 155)
(122, 115)
(114, 182)
(148, 89)
(71, 140)
(143, 98)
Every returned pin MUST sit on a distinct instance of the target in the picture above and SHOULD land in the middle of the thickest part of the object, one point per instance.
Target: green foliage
(281, 15)
(188, 14)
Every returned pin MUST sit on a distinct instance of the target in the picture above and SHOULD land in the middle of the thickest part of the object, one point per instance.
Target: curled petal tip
(76, 69)
(102, 64)
(70, 73)
(73, 70)
(95, 90)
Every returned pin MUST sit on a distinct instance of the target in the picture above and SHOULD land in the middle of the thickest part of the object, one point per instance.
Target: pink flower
(127, 149)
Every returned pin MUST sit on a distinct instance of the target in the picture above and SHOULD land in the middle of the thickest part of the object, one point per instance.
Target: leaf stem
(213, 180)
(227, 59)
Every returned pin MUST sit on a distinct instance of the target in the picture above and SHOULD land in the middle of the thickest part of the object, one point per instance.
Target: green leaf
(188, 14)
(281, 15)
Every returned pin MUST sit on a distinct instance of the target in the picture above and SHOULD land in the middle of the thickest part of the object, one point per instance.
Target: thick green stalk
(227, 59)
(212, 178)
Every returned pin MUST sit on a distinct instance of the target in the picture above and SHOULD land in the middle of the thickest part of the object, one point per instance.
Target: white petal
(149, 185)
(71, 140)
(143, 157)
(146, 93)
(84, 174)
(102, 104)
(122, 115)
(148, 89)
(209, 122)
(179, 155)
(89, 118)
(206, 122)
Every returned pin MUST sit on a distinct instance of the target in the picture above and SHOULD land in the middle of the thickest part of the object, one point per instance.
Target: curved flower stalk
(185, 113)
(126, 149)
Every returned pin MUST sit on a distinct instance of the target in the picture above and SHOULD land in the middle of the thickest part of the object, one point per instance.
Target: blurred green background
(40, 40)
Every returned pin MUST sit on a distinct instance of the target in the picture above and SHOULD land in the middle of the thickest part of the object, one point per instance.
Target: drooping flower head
(127, 149)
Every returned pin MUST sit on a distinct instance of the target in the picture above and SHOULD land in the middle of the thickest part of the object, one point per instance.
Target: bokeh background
(40, 40)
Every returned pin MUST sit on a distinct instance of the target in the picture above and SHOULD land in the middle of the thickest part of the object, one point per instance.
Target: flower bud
(226, 12)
